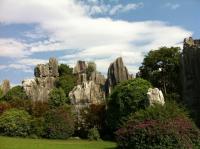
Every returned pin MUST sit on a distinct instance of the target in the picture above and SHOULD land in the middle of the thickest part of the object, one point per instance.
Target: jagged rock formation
(117, 73)
(90, 88)
(5, 87)
(155, 96)
(190, 61)
(38, 88)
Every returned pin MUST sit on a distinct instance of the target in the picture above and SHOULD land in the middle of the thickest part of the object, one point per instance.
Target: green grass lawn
(20, 143)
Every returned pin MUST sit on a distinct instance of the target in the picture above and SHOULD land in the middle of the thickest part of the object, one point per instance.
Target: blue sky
(31, 31)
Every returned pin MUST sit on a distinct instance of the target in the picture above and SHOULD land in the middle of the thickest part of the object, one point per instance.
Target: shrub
(57, 98)
(37, 127)
(91, 117)
(159, 127)
(15, 122)
(93, 134)
(15, 93)
(129, 96)
(59, 123)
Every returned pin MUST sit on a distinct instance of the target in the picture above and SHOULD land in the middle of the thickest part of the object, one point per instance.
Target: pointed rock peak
(117, 73)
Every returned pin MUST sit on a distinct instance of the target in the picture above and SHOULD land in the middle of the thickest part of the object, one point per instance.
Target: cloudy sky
(31, 31)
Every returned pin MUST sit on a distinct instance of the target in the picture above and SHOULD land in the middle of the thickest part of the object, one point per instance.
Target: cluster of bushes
(159, 127)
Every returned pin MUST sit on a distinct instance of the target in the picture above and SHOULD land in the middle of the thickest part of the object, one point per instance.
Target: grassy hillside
(20, 143)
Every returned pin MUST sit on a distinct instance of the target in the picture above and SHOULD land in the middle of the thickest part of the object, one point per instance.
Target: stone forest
(158, 108)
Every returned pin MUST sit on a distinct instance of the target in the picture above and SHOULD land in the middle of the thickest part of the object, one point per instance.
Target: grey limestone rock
(38, 88)
(117, 73)
(5, 87)
(155, 96)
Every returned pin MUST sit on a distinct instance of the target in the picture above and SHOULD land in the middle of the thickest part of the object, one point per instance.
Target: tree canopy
(162, 68)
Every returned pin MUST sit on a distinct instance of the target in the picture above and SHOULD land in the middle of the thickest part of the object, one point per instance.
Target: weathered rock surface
(90, 89)
(5, 87)
(38, 88)
(155, 96)
(117, 73)
(190, 62)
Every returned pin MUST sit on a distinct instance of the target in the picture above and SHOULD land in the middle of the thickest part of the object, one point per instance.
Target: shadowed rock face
(117, 73)
(90, 89)
(191, 73)
(38, 88)
(5, 86)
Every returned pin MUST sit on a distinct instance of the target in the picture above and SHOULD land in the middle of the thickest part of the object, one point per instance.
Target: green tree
(91, 68)
(64, 70)
(127, 97)
(57, 98)
(67, 79)
(15, 122)
(162, 68)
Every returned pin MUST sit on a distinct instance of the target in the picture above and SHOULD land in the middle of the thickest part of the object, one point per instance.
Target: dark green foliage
(162, 68)
(129, 96)
(37, 127)
(67, 80)
(166, 127)
(15, 93)
(15, 122)
(59, 123)
(57, 98)
(67, 83)
(64, 70)
(1, 93)
(93, 134)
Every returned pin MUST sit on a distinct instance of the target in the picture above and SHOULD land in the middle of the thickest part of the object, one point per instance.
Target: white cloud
(172, 6)
(69, 26)
(13, 48)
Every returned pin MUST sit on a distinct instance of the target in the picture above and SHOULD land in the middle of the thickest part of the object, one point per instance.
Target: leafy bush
(57, 98)
(159, 127)
(129, 96)
(15, 122)
(4, 106)
(1, 93)
(59, 123)
(37, 127)
(93, 134)
(15, 93)
(90, 117)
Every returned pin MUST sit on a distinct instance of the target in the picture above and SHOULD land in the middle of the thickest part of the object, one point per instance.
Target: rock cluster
(117, 73)
(5, 87)
(190, 62)
(155, 96)
(90, 88)
(38, 88)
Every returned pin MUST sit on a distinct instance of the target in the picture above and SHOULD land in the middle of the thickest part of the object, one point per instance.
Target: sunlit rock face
(5, 87)
(155, 96)
(90, 89)
(38, 88)
(190, 61)
(117, 73)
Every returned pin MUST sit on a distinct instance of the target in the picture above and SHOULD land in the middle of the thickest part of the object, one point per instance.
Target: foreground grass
(20, 143)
